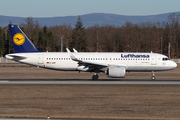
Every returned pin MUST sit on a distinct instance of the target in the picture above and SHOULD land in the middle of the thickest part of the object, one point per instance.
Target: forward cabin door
(40, 59)
(153, 60)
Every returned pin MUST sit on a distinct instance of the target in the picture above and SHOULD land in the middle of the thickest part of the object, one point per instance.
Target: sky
(60, 8)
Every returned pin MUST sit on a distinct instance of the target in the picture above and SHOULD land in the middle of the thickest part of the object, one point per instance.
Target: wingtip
(71, 55)
(75, 50)
(67, 50)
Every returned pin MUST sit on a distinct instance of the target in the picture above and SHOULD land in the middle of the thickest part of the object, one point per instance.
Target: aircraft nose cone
(174, 65)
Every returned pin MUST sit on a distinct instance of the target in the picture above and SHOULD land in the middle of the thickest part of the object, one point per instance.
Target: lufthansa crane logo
(18, 39)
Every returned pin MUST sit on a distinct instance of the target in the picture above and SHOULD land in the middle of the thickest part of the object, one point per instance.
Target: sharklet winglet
(71, 55)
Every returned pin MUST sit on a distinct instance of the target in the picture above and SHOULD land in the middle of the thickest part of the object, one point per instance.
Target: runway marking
(4, 81)
(91, 82)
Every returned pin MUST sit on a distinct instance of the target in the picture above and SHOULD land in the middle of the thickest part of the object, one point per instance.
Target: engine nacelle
(116, 71)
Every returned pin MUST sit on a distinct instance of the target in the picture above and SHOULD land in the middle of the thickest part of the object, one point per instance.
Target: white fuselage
(62, 60)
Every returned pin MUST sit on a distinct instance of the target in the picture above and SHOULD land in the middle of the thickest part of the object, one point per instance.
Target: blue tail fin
(20, 41)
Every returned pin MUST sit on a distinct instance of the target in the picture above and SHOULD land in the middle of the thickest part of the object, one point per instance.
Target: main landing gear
(95, 77)
(153, 75)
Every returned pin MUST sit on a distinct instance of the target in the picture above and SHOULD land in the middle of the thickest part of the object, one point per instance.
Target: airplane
(114, 65)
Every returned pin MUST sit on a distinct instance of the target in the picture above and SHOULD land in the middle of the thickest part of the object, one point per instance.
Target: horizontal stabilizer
(15, 57)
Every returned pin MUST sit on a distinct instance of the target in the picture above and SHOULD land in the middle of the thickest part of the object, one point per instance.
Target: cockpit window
(164, 59)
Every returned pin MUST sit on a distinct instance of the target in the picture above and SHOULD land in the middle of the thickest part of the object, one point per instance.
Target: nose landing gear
(153, 75)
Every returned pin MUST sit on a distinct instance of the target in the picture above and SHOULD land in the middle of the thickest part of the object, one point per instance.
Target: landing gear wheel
(95, 77)
(153, 75)
(153, 78)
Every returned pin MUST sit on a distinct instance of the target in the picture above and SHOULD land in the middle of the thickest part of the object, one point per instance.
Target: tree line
(160, 37)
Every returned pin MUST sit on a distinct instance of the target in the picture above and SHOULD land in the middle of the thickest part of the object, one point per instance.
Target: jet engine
(116, 72)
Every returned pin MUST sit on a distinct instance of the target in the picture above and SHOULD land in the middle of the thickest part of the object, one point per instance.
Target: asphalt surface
(87, 82)
(44, 119)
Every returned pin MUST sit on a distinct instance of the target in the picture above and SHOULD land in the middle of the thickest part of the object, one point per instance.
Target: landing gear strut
(153, 75)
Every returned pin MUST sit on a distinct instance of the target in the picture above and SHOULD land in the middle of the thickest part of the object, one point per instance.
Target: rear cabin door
(40, 59)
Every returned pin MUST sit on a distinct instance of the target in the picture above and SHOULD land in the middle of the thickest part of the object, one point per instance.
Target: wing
(90, 64)
(86, 63)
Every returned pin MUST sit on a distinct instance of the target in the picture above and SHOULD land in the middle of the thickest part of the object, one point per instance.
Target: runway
(44, 119)
(48, 119)
(87, 82)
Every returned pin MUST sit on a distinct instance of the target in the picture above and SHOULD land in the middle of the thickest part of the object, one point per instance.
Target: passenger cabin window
(164, 59)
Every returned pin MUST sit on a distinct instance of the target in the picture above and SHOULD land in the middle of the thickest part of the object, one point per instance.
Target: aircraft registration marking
(51, 63)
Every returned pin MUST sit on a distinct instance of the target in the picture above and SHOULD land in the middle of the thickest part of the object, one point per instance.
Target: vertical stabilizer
(20, 41)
